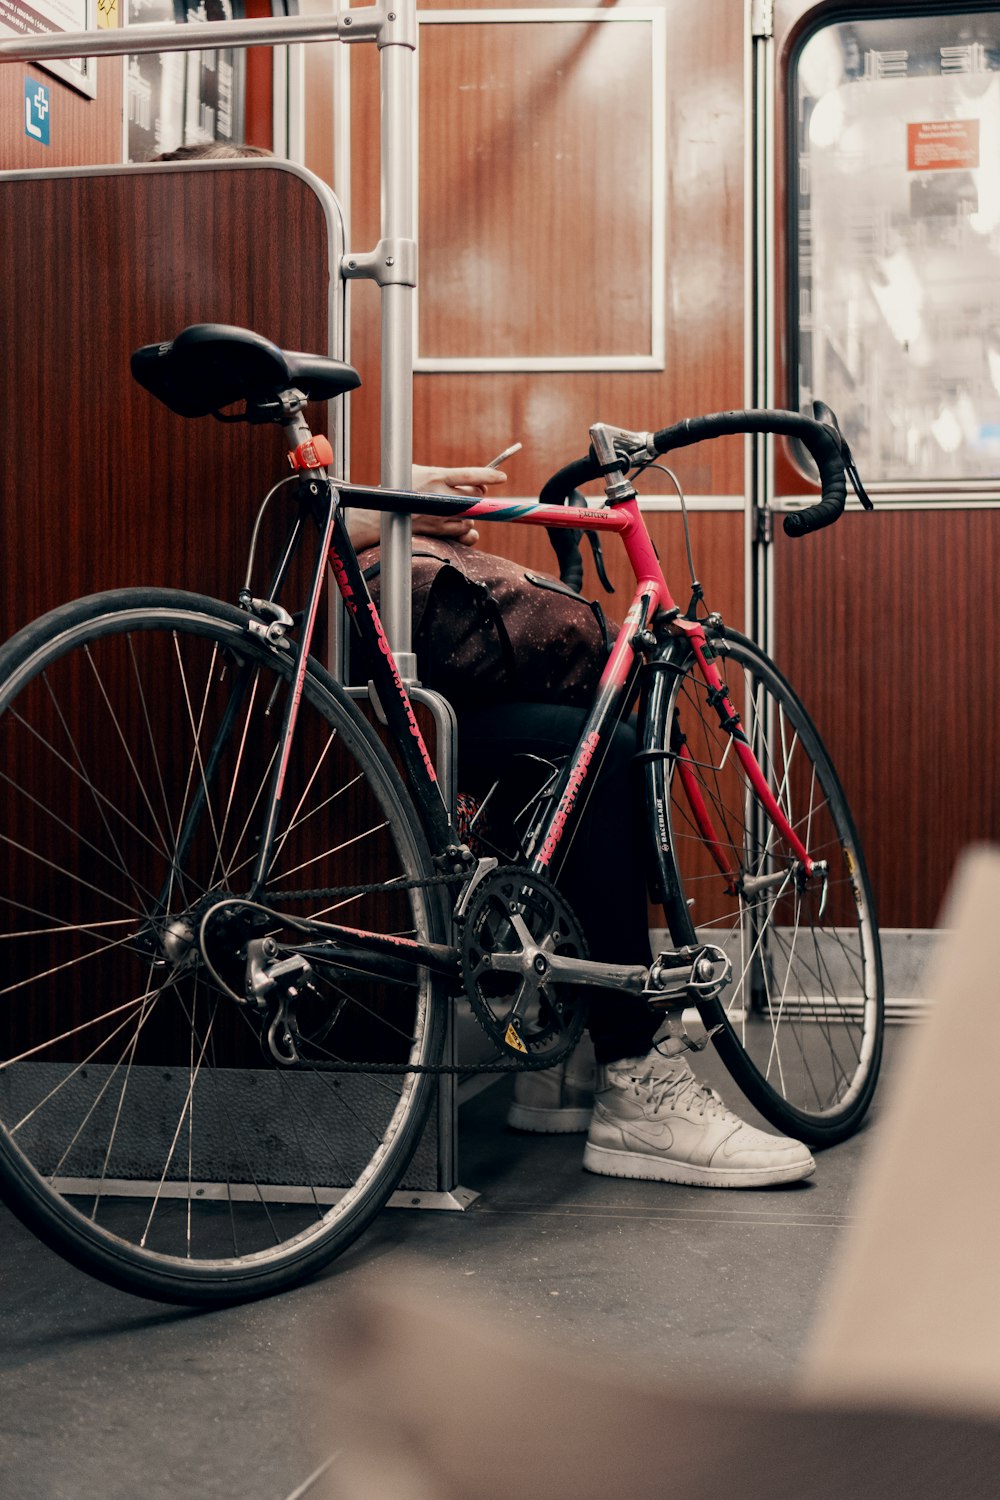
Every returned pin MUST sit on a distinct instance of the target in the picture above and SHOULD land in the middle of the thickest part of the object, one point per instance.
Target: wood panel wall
(485, 183)
(536, 191)
(83, 132)
(887, 624)
(102, 485)
(463, 417)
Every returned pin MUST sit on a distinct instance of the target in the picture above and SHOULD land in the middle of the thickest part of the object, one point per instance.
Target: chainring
(513, 922)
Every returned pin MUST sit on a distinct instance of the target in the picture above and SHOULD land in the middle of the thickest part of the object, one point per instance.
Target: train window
(895, 239)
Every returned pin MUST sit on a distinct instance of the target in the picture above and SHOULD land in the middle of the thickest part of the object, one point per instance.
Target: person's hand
(365, 525)
(471, 482)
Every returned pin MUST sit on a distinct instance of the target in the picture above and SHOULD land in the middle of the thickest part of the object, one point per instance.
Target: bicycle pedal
(690, 1045)
(687, 974)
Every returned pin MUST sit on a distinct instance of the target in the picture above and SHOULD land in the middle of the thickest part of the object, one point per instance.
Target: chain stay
(500, 1063)
(519, 1063)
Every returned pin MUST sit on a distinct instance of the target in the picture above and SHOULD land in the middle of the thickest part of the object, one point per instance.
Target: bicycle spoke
(173, 1143)
(180, 1148)
(76, 962)
(804, 1001)
(140, 1001)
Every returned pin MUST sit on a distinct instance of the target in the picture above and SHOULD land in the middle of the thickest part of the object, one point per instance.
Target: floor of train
(109, 1396)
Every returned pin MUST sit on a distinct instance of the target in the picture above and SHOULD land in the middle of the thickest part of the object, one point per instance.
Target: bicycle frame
(654, 633)
(654, 628)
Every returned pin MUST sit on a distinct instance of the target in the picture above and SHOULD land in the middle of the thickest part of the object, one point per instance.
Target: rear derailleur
(276, 987)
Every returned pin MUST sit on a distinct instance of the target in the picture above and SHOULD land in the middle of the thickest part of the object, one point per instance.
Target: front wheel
(157, 1126)
(802, 1016)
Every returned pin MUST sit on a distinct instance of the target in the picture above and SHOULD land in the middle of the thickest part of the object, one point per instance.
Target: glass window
(183, 98)
(895, 239)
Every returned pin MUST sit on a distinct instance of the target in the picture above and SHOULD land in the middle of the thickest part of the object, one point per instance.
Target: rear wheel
(802, 1016)
(155, 1130)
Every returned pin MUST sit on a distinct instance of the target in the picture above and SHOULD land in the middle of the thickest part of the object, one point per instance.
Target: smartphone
(495, 463)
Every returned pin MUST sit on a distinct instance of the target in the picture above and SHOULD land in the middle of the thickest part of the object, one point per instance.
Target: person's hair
(213, 151)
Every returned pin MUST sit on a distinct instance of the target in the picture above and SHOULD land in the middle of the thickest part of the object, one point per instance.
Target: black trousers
(603, 876)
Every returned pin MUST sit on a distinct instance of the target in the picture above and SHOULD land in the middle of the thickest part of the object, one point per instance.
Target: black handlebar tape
(557, 490)
(822, 439)
(566, 546)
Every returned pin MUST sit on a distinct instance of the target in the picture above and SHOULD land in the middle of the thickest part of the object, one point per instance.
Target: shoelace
(679, 1088)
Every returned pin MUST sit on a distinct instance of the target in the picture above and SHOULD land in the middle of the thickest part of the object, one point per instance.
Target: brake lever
(850, 469)
(828, 417)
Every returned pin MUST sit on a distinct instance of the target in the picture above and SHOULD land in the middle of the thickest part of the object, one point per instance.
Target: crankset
(512, 925)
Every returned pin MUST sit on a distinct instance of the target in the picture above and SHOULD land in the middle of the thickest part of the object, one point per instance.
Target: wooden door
(887, 621)
(581, 230)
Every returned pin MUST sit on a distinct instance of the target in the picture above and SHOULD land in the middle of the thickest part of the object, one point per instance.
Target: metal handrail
(195, 36)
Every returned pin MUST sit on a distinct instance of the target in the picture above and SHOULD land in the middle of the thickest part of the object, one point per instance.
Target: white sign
(20, 20)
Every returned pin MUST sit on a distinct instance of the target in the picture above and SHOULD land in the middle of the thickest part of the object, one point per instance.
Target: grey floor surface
(104, 1395)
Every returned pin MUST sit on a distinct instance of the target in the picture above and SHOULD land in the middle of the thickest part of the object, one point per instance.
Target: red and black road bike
(235, 913)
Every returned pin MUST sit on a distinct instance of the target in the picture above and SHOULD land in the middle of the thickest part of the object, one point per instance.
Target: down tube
(581, 770)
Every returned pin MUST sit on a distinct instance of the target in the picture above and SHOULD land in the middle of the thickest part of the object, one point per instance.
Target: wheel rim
(802, 1013)
(142, 1111)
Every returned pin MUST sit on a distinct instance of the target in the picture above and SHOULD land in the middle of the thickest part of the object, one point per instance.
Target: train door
(885, 222)
(642, 212)
(581, 250)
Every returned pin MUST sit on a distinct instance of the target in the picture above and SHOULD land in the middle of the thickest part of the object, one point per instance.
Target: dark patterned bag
(487, 629)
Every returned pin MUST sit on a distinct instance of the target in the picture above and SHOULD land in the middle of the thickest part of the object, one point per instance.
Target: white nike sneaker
(653, 1119)
(559, 1100)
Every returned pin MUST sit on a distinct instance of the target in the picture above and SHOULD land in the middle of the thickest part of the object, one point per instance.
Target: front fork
(666, 753)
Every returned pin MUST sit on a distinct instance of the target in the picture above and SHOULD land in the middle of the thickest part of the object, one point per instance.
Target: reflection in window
(182, 98)
(896, 240)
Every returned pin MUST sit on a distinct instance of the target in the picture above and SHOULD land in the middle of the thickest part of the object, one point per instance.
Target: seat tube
(294, 699)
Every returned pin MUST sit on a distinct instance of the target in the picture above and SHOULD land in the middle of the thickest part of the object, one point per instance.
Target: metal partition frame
(393, 262)
(392, 265)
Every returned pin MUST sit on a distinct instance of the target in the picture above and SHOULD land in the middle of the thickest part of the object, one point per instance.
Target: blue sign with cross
(36, 111)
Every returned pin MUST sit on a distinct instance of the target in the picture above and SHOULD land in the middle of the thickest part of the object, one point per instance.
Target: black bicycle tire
(816, 1129)
(42, 1208)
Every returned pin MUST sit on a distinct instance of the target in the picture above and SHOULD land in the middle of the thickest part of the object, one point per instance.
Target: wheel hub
(177, 940)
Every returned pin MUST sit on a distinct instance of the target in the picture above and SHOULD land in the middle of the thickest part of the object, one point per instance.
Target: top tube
(625, 519)
(527, 512)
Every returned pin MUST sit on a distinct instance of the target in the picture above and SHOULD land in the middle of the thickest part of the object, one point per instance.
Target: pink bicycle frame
(651, 598)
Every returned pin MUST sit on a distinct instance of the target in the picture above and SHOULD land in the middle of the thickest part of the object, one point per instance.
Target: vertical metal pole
(399, 168)
(398, 134)
(337, 621)
(760, 611)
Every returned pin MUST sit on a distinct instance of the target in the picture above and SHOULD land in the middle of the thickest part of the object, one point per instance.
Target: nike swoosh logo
(653, 1134)
(650, 1132)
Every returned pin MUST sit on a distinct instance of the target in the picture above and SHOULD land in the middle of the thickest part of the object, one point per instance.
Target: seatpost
(293, 423)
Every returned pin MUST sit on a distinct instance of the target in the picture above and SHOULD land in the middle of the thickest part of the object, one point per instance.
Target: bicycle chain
(520, 1064)
(498, 1064)
(325, 893)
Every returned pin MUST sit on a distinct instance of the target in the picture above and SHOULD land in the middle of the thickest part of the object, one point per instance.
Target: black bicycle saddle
(211, 365)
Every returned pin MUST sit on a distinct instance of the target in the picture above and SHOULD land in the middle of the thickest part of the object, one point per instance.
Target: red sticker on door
(942, 145)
